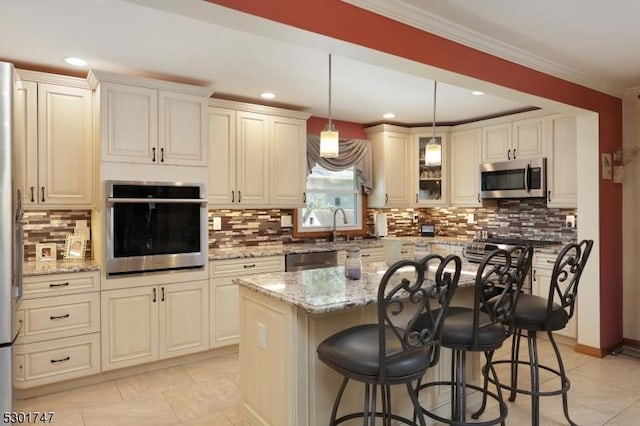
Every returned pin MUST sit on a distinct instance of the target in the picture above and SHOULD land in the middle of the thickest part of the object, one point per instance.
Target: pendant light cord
(435, 88)
(330, 125)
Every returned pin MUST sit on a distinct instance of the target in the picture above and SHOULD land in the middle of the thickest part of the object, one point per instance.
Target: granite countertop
(31, 269)
(282, 249)
(323, 290)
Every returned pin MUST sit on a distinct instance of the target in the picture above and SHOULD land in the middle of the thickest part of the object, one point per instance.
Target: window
(326, 192)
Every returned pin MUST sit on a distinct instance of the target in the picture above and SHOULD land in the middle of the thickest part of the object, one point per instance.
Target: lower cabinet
(145, 324)
(224, 302)
(542, 271)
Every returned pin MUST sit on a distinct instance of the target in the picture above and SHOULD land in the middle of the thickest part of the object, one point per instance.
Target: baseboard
(590, 350)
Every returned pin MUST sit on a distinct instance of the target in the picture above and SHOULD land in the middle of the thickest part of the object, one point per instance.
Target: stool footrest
(564, 389)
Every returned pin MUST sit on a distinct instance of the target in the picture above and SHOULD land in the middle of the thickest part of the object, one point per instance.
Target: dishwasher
(304, 261)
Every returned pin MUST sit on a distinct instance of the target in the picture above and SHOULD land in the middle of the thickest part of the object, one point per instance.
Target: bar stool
(548, 314)
(482, 328)
(393, 351)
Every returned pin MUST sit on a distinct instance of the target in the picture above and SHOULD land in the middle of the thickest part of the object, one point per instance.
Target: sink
(304, 261)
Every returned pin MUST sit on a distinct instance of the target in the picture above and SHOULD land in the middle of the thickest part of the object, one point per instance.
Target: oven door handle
(111, 201)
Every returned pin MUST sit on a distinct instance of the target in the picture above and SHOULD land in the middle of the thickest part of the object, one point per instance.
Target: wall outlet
(285, 221)
(415, 217)
(217, 223)
(570, 221)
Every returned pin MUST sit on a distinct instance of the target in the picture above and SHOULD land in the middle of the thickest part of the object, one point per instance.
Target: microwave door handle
(527, 178)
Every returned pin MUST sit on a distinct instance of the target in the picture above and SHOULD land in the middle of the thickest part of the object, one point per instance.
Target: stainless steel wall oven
(154, 226)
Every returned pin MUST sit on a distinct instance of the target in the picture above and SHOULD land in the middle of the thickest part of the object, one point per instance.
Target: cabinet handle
(478, 197)
(514, 153)
(416, 198)
(550, 261)
(548, 195)
(534, 275)
(509, 154)
(253, 265)
(59, 285)
(33, 199)
(153, 150)
(386, 198)
(162, 296)
(404, 251)
(42, 189)
(233, 196)
(154, 295)
(59, 317)
(304, 198)
(365, 255)
(239, 196)
(162, 155)
(53, 361)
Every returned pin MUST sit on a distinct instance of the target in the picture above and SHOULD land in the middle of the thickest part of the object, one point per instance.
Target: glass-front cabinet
(431, 178)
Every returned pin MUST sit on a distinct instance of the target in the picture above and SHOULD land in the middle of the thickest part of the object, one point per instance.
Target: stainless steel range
(476, 250)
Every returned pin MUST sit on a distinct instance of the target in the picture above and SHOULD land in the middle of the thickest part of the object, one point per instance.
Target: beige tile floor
(604, 392)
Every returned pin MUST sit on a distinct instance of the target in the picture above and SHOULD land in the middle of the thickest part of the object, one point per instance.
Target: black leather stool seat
(457, 331)
(531, 314)
(356, 349)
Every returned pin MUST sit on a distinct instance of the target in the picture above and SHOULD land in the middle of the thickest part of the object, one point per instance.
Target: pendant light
(329, 142)
(433, 150)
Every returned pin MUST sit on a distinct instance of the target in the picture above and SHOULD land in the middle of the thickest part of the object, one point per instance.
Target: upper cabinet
(151, 122)
(392, 171)
(465, 175)
(430, 182)
(561, 161)
(54, 141)
(510, 141)
(258, 156)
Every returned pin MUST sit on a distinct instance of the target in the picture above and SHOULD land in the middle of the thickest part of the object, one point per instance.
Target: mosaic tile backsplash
(251, 227)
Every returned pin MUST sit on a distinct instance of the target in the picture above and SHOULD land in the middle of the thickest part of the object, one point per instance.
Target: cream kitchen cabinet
(223, 293)
(511, 141)
(466, 151)
(542, 271)
(54, 156)
(430, 182)
(256, 158)
(562, 185)
(144, 324)
(60, 334)
(149, 121)
(392, 167)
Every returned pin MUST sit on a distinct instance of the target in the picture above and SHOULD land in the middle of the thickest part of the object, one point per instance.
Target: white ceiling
(240, 56)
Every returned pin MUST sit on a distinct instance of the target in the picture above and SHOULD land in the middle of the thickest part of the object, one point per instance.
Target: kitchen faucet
(344, 215)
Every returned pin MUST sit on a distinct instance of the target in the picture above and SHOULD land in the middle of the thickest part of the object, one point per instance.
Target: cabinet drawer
(544, 261)
(60, 316)
(246, 266)
(52, 361)
(58, 284)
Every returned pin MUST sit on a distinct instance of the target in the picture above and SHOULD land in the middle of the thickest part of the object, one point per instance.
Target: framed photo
(74, 247)
(46, 253)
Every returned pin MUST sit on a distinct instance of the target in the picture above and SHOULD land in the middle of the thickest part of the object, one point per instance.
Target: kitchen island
(283, 318)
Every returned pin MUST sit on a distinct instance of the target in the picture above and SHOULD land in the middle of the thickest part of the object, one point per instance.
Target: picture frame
(46, 253)
(74, 247)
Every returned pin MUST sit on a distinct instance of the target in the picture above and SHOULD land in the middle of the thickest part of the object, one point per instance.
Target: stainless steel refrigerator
(11, 248)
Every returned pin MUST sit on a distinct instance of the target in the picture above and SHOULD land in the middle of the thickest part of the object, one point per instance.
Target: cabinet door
(183, 129)
(252, 173)
(225, 312)
(65, 145)
(128, 123)
(288, 163)
(183, 318)
(561, 162)
(431, 187)
(528, 138)
(222, 156)
(541, 284)
(26, 141)
(397, 170)
(129, 327)
(496, 143)
(465, 174)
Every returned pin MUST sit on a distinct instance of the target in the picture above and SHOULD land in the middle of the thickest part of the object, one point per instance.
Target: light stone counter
(31, 269)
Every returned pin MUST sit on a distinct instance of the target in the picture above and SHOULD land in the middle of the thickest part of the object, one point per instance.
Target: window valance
(353, 152)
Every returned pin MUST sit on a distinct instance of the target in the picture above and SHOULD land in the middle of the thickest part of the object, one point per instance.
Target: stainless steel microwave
(514, 179)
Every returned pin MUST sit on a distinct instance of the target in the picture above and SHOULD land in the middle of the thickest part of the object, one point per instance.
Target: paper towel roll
(381, 225)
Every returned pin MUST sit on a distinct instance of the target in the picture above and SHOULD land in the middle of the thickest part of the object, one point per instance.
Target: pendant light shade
(433, 150)
(329, 139)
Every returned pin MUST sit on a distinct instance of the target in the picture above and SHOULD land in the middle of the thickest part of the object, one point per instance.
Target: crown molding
(96, 76)
(400, 11)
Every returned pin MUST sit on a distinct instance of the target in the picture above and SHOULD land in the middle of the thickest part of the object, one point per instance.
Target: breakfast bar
(284, 316)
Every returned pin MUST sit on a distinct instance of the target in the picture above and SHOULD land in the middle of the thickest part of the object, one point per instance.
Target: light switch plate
(217, 223)
(285, 221)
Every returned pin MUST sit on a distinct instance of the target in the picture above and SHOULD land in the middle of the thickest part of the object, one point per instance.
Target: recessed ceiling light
(267, 95)
(389, 115)
(77, 62)
(477, 93)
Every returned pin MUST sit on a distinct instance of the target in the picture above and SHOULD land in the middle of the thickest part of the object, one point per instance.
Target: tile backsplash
(52, 226)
